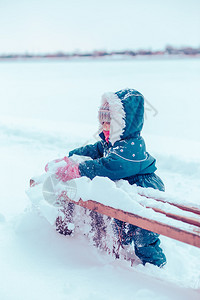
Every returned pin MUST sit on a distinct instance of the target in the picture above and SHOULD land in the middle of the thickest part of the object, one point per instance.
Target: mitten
(68, 172)
(51, 166)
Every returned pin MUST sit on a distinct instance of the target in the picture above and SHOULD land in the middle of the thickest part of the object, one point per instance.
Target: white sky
(68, 25)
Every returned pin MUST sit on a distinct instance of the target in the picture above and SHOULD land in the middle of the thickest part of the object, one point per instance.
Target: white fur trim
(117, 113)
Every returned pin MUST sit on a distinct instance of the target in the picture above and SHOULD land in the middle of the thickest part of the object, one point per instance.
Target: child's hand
(51, 166)
(68, 172)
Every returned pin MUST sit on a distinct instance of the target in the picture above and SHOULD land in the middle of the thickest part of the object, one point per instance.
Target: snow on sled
(89, 206)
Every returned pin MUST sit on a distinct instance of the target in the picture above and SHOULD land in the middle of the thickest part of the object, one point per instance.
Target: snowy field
(49, 108)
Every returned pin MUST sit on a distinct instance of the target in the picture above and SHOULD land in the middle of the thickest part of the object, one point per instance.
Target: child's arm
(115, 167)
(94, 151)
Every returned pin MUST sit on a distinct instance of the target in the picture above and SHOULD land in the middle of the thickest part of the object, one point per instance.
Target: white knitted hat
(104, 113)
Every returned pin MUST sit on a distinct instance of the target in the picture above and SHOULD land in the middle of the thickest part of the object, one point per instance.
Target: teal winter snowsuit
(125, 157)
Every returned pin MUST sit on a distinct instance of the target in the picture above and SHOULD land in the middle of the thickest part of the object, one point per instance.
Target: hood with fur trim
(127, 114)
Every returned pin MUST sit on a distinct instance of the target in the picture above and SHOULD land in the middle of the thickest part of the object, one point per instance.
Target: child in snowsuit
(121, 154)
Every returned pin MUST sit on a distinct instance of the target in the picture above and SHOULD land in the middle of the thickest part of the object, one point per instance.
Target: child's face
(106, 126)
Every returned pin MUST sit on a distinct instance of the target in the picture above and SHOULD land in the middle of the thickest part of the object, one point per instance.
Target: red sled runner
(180, 222)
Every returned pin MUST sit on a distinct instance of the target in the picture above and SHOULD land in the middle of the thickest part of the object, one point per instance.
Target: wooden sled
(182, 225)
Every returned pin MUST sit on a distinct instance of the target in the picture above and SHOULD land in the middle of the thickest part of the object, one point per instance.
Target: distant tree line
(168, 51)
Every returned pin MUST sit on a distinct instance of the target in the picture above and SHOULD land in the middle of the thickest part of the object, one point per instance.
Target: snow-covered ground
(48, 109)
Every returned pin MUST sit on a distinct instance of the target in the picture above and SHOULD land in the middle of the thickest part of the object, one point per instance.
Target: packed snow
(119, 195)
(48, 109)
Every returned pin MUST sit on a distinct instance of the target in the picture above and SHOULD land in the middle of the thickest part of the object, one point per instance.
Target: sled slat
(190, 236)
(188, 220)
(194, 210)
